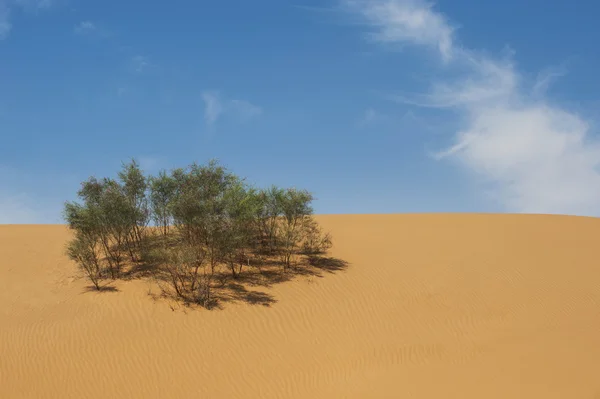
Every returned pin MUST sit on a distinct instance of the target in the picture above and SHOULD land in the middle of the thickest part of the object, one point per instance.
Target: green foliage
(297, 212)
(206, 218)
(115, 213)
(84, 250)
(133, 203)
(237, 228)
(315, 241)
(269, 213)
(188, 273)
(162, 192)
(295, 205)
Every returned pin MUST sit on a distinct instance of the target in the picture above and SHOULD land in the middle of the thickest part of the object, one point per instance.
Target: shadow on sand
(244, 287)
(103, 288)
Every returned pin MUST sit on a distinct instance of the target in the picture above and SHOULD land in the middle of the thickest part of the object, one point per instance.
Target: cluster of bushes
(190, 225)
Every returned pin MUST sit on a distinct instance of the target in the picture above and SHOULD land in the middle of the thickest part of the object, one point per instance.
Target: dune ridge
(431, 306)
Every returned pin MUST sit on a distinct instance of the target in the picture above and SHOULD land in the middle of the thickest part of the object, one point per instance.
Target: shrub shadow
(245, 287)
(104, 288)
(327, 264)
(236, 292)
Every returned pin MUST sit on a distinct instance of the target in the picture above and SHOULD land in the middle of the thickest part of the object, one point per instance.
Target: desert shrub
(133, 206)
(268, 218)
(84, 248)
(162, 190)
(315, 241)
(285, 225)
(296, 209)
(116, 211)
(199, 208)
(206, 217)
(237, 233)
(189, 275)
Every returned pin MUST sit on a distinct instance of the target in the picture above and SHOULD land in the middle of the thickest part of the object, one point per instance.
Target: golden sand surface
(430, 306)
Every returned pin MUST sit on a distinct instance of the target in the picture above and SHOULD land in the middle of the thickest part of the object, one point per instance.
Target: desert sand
(430, 306)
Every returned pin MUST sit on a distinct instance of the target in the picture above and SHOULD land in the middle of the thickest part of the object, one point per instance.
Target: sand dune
(431, 306)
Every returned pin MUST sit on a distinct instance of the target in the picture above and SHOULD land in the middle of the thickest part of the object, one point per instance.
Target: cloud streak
(5, 25)
(537, 157)
(27, 5)
(409, 21)
(369, 117)
(546, 78)
(215, 107)
(139, 63)
(85, 28)
(212, 107)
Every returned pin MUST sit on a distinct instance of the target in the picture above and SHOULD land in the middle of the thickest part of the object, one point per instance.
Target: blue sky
(379, 106)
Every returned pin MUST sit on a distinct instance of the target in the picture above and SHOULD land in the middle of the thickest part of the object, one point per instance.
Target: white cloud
(546, 78)
(538, 157)
(139, 63)
(215, 107)
(369, 117)
(212, 107)
(85, 27)
(27, 5)
(92, 29)
(410, 21)
(5, 25)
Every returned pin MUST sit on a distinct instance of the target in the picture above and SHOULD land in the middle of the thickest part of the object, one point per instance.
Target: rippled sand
(430, 306)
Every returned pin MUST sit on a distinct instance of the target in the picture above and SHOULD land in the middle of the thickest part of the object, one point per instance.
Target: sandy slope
(431, 306)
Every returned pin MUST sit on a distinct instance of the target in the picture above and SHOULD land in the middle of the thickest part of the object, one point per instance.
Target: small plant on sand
(188, 275)
(296, 210)
(315, 241)
(84, 248)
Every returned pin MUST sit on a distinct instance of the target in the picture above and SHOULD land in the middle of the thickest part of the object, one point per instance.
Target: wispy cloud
(368, 117)
(5, 25)
(538, 157)
(372, 117)
(407, 21)
(546, 77)
(26, 5)
(85, 28)
(139, 63)
(216, 107)
(212, 107)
